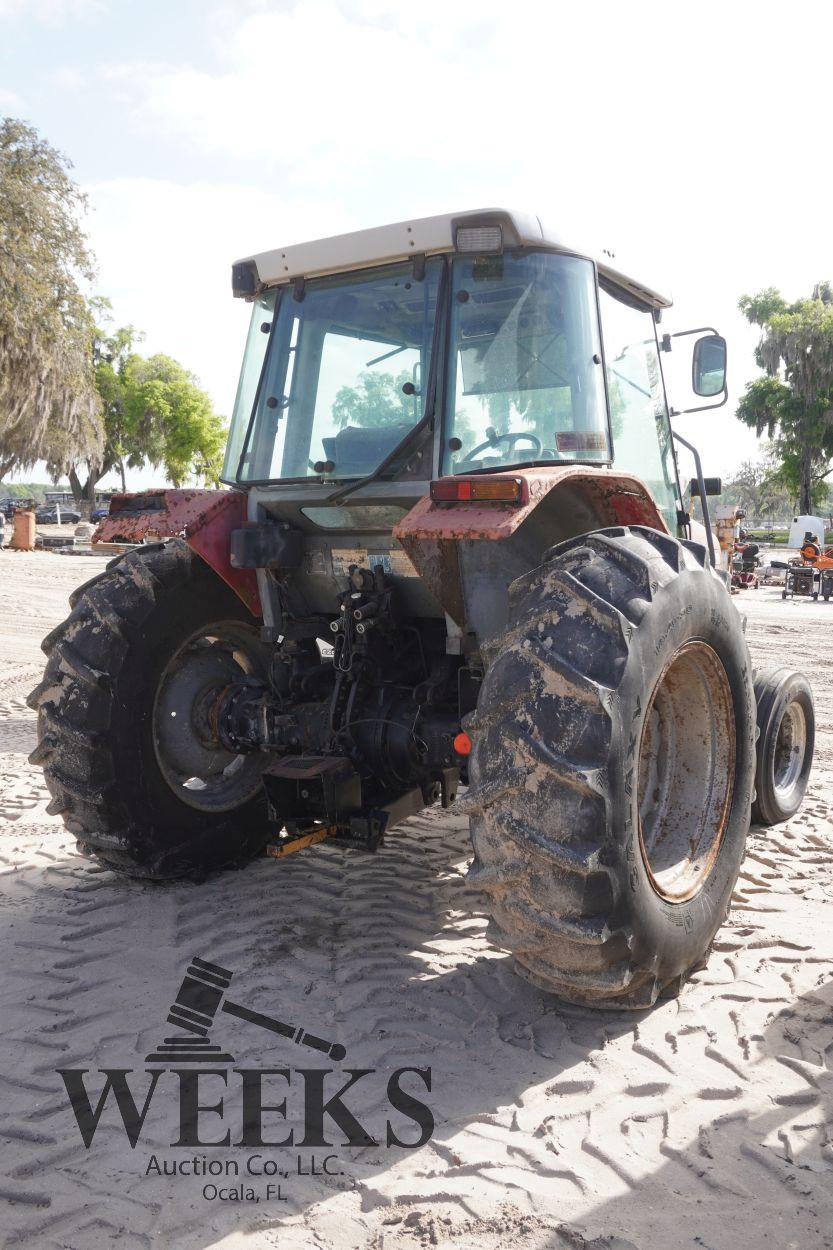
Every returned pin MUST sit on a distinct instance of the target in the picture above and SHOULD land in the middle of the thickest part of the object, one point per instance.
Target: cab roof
(421, 236)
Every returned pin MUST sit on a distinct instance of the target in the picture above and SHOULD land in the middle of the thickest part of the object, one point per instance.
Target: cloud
(51, 12)
(673, 136)
(11, 103)
(587, 106)
(165, 252)
(305, 83)
(313, 78)
(69, 78)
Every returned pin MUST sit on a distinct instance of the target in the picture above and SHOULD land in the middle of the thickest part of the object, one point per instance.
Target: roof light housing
(244, 279)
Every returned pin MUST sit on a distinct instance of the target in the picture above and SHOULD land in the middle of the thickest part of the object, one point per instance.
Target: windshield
(344, 376)
(525, 375)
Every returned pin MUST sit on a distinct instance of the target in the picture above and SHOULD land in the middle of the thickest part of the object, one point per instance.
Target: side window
(638, 412)
(343, 380)
(256, 344)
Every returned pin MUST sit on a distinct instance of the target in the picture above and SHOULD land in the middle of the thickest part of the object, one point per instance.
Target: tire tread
(553, 899)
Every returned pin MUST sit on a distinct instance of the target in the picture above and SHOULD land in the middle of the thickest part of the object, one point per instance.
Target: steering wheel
(494, 439)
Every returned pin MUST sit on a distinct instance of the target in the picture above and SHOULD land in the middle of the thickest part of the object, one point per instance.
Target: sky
(690, 138)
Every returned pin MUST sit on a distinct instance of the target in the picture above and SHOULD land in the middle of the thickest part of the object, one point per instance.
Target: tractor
(453, 553)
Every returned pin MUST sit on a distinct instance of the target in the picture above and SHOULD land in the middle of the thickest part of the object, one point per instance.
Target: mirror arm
(681, 334)
(681, 412)
(701, 486)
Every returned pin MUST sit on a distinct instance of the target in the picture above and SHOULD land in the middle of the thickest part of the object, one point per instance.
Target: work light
(480, 239)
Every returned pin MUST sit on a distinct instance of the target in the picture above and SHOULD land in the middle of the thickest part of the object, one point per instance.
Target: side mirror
(708, 369)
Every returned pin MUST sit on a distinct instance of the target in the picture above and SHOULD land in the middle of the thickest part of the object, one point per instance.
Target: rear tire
(786, 741)
(99, 716)
(612, 767)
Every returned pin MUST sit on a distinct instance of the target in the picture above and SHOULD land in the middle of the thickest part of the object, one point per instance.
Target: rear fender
(469, 553)
(204, 518)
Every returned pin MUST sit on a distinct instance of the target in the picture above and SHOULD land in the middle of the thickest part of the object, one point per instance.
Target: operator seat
(356, 451)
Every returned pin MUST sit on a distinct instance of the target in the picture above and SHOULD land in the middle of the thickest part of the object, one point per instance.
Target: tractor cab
(451, 345)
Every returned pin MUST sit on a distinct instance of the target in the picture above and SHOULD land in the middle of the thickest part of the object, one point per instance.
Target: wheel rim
(790, 749)
(200, 770)
(686, 771)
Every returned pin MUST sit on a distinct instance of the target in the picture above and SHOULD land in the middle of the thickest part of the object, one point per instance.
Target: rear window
(368, 516)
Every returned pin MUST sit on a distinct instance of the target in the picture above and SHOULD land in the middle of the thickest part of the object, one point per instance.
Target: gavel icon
(201, 994)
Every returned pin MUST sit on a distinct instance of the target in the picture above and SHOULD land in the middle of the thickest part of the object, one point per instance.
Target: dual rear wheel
(786, 740)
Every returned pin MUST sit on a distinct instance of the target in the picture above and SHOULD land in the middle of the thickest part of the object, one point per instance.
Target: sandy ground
(705, 1122)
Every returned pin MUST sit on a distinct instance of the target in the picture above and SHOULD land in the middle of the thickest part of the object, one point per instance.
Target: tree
(827, 504)
(48, 400)
(153, 410)
(170, 421)
(73, 393)
(111, 350)
(377, 401)
(794, 402)
(756, 487)
(380, 401)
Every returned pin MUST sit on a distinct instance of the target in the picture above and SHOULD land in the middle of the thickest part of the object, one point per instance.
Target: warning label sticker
(314, 562)
(402, 565)
(343, 557)
(394, 562)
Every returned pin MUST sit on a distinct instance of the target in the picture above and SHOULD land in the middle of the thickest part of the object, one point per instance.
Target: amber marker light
(478, 490)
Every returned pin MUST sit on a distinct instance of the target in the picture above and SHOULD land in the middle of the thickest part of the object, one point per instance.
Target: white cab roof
(427, 236)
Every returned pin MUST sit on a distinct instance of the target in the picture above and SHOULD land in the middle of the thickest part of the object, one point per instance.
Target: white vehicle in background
(803, 525)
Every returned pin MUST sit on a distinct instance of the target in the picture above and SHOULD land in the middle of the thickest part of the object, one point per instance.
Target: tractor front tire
(612, 767)
(124, 718)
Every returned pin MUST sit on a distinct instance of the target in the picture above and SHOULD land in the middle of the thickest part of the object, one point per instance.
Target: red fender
(204, 518)
(431, 532)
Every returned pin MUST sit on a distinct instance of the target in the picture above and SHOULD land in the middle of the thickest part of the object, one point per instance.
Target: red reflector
(478, 490)
(462, 744)
(445, 491)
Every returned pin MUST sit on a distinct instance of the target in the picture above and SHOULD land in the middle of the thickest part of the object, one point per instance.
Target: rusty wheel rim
(196, 765)
(790, 750)
(686, 771)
